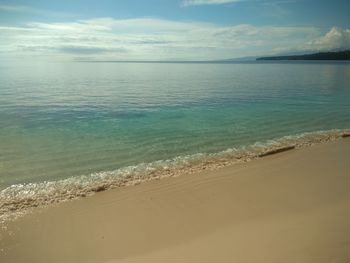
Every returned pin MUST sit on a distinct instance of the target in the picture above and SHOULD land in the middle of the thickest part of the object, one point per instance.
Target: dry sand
(289, 207)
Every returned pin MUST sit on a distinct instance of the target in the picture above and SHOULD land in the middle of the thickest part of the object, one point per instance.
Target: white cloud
(17, 8)
(158, 39)
(336, 38)
(207, 2)
(31, 11)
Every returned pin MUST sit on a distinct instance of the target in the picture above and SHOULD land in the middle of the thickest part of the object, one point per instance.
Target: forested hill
(339, 55)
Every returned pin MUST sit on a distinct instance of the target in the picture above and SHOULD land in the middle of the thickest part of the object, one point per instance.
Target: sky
(60, 30)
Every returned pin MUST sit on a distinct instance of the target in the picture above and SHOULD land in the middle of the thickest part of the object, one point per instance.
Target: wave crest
(18, 199)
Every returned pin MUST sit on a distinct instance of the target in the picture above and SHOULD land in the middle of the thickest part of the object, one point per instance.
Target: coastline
(20, 199)
(292, 206)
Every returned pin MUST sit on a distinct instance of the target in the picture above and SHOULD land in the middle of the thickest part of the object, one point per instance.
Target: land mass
(338, 55)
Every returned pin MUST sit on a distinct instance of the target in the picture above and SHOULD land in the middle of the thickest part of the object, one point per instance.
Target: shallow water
(75, 120)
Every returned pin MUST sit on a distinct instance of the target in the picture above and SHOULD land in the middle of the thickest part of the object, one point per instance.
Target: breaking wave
(18, 199)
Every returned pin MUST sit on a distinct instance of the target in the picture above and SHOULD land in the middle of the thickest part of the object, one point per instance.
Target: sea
(70, 129)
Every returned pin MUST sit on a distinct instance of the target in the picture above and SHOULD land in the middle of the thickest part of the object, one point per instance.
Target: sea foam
(19, 199)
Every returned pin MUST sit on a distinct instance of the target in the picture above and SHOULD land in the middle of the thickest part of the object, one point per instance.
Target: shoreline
(292, 206)
(18, 200)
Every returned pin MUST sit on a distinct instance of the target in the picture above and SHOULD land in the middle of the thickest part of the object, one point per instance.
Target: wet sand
(292, 206)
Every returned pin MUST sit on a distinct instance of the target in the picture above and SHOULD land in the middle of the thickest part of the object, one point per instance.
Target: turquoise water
(65, 120)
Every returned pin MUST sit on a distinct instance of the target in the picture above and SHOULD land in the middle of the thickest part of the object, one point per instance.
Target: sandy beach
(288, 207)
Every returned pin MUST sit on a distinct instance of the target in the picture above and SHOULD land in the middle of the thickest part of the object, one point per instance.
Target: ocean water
(66, 127)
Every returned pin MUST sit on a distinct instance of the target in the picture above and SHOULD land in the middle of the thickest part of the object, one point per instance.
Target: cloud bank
(160, 39)
(336, 38)
(207, 2)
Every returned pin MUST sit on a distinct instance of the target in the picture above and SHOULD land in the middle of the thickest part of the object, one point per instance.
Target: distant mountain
(240, 59)
(338, 55)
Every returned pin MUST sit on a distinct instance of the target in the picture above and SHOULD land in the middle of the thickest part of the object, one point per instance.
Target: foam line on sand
(287, 207)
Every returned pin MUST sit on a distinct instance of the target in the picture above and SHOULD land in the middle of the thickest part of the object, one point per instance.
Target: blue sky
(170, 29)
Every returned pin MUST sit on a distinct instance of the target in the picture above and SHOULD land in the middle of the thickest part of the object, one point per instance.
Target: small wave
(18, 199)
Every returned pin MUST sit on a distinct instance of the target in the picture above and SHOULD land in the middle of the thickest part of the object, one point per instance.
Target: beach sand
(288, 207)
